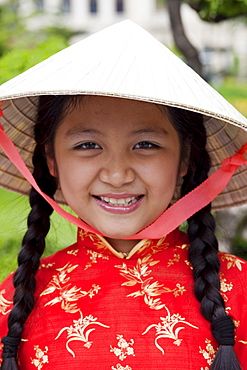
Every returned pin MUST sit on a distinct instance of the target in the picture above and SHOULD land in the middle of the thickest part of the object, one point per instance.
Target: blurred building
(89, 16)
(220, 44)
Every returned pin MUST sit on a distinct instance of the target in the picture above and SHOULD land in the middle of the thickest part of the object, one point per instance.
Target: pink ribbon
(173, 217)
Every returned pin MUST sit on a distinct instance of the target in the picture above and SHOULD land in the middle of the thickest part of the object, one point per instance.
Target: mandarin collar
(144, 247)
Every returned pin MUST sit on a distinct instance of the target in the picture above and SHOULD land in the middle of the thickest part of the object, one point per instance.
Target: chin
(120, 234)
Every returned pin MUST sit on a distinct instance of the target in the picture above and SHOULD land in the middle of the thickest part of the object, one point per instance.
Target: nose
(117, 171)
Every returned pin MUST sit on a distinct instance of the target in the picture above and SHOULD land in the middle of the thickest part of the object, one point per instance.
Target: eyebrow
(157, 131)
(76, 131)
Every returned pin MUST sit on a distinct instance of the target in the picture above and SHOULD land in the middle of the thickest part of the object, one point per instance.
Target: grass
(235, 92)
(14, 208)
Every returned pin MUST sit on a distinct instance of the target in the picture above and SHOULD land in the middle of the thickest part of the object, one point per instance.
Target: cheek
(162, 175)
(75, 178)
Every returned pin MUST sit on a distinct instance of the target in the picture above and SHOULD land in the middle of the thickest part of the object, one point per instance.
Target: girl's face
(118, 162)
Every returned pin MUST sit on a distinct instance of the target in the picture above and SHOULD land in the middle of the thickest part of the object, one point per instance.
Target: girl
(120, 129)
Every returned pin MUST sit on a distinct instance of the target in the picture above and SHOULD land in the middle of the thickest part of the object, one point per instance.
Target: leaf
(146, 282)
(53, 301)
(49, 290)
(238, 264)
(71, 268)
(160, 241)
(229, 265)
(167, 290)
(135, 294)
(130, 283)
(153, 263)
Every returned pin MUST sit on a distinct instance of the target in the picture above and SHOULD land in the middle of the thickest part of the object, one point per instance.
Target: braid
(203, 253)
(33, 246)
(50, 112)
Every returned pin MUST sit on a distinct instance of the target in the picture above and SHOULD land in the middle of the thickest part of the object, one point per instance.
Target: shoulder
(233, 280)
(233, 265)
(233, 271)
(47, 266)
(6, 303)
(6, 294)
(59, 257)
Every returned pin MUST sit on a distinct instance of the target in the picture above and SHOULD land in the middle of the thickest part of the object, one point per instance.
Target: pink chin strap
(168, 221)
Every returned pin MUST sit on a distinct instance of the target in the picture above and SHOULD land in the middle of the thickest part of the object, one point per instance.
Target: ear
(51, 163)
(183, 168)
(51, 166)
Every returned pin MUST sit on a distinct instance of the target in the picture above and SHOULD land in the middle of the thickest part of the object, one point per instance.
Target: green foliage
(218, 10)
(21, 49)
(239, 242)
(18, 60)
(14, 209)
(11, 27)
(236, 93)
(58, 31)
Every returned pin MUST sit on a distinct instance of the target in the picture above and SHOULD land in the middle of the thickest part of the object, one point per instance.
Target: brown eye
(87, 146)
(145, 145)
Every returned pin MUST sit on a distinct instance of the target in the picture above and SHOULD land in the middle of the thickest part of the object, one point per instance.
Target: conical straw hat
(122, 61)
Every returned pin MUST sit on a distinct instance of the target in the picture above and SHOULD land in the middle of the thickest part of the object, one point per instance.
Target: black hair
(203, 251)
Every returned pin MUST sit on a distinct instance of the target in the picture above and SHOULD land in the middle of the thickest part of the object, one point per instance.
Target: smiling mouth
(122, 202)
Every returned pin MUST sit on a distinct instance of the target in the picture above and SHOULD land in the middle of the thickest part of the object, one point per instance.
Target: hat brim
(122, 61)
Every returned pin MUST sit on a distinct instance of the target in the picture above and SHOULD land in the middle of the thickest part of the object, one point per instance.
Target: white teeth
(124, 202)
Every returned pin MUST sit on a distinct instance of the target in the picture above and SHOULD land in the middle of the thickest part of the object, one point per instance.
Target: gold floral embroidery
(120, 367)
(94, 258)
(148, 289)
(144, 246)
(1, 347)
(179, 290)
(232, 261)
(173, 260)
(188, 264)
(228, 309)
(124, 348)
(41, 357)
(208, 353)
(79, 331)
(73, 252)
(166, 329)
(242, 341)
(47, 266)
(159, 246)
(67, 294)
(4, 303)
(236, 323)
(100, 244)
(183, 246)
(225, 287)
(84, 234)
(97, 241)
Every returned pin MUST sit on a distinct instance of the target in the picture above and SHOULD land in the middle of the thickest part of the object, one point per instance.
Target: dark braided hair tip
(33, 245)
(9, 364)
(225, 359)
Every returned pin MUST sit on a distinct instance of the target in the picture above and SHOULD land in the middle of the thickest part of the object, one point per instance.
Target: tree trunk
(180, 39)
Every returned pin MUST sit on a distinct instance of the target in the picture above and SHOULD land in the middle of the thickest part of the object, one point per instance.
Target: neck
(122, 245)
